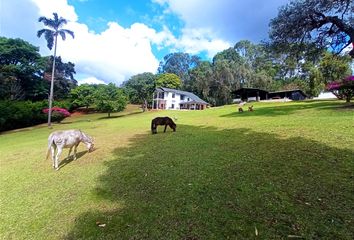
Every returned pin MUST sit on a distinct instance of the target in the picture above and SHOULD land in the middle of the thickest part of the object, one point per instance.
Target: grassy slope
(285, 169)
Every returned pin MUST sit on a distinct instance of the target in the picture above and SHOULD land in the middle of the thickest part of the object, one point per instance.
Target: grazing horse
(162, 121)
(67, 139)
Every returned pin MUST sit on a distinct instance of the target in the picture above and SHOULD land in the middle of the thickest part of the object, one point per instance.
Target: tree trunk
(52, 85)
(109, 114)
(348, 98)
(144, 105)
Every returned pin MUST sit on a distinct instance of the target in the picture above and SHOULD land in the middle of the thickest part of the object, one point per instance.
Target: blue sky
(115, 39)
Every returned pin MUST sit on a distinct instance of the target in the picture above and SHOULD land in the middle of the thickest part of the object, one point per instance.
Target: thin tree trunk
(144, 105)
(52, 85)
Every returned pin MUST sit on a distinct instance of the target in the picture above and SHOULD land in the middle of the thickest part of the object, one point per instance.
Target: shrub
(18, 114)
(58, 114)
(343, 89)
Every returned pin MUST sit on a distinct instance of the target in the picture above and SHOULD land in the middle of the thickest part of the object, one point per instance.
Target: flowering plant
(58, 114)
(343, 89)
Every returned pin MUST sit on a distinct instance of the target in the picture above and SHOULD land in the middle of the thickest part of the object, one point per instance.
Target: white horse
(67, 139)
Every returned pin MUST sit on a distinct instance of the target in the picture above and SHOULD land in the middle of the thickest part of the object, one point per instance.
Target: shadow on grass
(119, 116)
(204, 183)
(68, 160)
(286, 109)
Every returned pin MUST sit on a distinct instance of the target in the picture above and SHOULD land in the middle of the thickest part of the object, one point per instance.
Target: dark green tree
(20, 71)
(140, 88)
(322, 22)
(64, 76)
(54, 28)
(179, 64)
(83, 95)
(334, 67)
(168, 80)
(201, 78)
(109, 99)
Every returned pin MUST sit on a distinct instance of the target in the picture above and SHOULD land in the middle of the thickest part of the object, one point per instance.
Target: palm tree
(51, 35)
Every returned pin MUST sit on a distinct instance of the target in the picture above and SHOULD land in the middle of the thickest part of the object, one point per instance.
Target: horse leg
(165, 128)
(52, 149)
(69, 152)
(75, 150)
(57, 158)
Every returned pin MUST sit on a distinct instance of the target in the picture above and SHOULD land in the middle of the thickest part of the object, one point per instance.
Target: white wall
(176, 100)
(325, 95)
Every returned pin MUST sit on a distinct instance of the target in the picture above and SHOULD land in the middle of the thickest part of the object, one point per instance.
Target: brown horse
(162, 121)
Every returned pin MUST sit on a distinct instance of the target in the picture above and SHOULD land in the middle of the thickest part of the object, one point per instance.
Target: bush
(343, 89)
(58, 114)
(19, 114)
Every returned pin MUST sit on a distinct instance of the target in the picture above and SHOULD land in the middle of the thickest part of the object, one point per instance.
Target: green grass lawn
(284, 171)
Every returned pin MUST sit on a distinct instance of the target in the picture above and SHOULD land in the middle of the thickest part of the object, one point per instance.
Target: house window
(173, 106)
(161, 95)
(173, 95)
(182, 97)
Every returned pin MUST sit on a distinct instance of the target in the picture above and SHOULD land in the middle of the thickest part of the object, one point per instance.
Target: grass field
(284, 171)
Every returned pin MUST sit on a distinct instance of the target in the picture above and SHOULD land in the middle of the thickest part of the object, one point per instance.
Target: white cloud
(197, 40)
(111, 56)
(90, 80)
(47, 7)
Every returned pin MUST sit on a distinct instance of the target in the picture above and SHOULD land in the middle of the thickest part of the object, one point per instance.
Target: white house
(168, 98)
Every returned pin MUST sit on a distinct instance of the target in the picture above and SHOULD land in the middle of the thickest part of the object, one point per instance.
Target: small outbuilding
(256, 94)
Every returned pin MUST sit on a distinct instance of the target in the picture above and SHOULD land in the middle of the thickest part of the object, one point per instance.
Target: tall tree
(168, 80)
(325, 23)
(83, 95)
(140, 88)
(334, 68)
(54, 28)
(179, 64)
(20, 67)
(64, 76)
(110, 99)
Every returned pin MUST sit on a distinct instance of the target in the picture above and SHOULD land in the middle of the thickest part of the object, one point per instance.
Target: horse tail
(50, 142)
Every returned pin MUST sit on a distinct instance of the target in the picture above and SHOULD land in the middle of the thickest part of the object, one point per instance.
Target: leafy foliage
(51, 35)
(109, 98)
(20, 67)
(343, 89)
(140, 88)
(168, 80)
(83, 95)
(334, 67)
(179, 64)
(54, 29)
(325, 23)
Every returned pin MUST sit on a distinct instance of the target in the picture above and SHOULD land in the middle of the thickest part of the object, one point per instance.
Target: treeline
(25, 75)
(265, 66)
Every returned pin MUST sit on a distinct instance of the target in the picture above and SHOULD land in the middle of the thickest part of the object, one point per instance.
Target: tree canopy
(179, 64)
(109, 98)
(140, 88)
(168, 80)
(328, 24)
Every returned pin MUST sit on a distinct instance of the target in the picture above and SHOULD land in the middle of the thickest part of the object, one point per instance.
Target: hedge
(19, 114)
